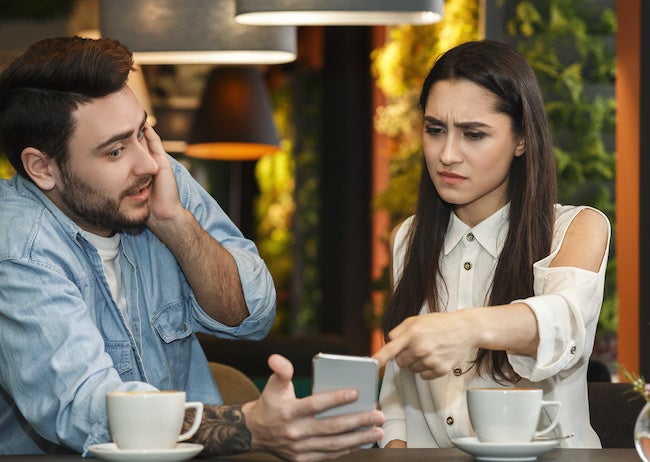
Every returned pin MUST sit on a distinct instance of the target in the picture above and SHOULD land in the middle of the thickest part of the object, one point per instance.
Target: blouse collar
(490, 233)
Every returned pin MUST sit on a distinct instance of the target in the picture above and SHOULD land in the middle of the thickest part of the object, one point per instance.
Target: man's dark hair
(41, 89)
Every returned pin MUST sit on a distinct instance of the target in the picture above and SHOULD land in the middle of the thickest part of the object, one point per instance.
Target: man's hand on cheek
(164, 202)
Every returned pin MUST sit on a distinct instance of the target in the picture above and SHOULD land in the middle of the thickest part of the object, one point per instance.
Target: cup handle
(556, 419)
(198, 414)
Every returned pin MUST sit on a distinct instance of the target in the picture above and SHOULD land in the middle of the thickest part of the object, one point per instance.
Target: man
(111, 258)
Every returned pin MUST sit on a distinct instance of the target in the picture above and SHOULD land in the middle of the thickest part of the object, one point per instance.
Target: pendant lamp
(235, 118)
(192, 32)
(339, 12)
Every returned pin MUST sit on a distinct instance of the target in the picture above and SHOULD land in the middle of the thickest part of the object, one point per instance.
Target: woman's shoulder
(581, 226)
(580, 215)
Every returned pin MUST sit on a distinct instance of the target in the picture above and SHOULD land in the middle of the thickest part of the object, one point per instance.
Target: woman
(495, 284)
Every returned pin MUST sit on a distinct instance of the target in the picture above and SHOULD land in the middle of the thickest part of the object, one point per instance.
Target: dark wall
(346, 184)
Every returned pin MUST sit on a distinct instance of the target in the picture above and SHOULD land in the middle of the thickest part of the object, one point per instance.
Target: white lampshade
(193, 31)
(339, 12)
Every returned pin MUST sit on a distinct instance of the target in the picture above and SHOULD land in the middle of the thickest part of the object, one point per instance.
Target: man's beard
(97, 209)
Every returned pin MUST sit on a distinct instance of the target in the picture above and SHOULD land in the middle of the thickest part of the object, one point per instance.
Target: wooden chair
(614, 408)
(235, 386)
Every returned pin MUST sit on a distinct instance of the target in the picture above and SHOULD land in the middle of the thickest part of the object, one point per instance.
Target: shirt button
(573, 349)
(467, 265)
(470, 237)
(458, 371)
(450, 420)
(184, 327)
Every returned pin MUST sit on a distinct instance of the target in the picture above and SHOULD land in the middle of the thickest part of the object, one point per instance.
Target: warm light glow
(230, 151)
(329, 18)
(214, 57)
(338, 12)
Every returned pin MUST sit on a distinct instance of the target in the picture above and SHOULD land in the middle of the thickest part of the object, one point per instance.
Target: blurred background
(314, 149)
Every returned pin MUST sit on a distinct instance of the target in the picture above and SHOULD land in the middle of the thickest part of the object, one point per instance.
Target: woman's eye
(474, 135)
(434, 130)
(140, 133)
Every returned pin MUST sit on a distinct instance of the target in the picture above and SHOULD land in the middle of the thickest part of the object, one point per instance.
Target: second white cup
(509, 415)
(150, 419)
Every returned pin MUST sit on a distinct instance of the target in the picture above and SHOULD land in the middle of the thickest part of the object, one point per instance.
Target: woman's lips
(451, 178)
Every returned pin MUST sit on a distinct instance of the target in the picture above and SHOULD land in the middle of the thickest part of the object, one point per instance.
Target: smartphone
(335, 372)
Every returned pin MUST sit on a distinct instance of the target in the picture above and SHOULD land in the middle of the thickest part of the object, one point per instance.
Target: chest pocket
(174, 327)
(123, 360)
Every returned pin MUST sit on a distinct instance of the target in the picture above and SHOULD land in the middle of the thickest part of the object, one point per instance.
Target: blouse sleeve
(566, 304)
(390, 400)
(390, 396)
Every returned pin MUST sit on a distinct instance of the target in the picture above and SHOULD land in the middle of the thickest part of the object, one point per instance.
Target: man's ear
(39, 166)
(521, 147)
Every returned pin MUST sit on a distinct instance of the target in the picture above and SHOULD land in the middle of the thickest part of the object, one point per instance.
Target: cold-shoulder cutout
(585, 242)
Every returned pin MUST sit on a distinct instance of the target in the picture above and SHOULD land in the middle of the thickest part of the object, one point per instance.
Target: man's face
(105, 183)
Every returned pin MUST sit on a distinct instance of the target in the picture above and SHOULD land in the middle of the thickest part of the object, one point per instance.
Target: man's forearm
(209, 268)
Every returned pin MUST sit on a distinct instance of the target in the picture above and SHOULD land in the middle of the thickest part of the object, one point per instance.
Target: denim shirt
(63, 340)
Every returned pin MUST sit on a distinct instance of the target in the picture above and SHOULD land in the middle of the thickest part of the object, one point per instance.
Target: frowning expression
(468, 147)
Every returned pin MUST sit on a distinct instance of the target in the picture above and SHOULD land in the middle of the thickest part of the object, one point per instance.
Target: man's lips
(141, 192)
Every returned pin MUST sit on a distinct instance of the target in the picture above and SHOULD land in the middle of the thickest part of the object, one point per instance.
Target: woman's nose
(450, 153)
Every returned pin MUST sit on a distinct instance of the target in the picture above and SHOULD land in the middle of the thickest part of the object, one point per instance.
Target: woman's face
(468, 148)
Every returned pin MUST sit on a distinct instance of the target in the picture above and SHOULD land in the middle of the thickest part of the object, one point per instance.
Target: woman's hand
(432, 344)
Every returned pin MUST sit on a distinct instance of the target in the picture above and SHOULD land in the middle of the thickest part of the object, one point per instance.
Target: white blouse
(567, 301)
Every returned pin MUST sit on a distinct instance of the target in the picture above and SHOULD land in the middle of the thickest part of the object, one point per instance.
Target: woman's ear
(521, 147)
(39, 167)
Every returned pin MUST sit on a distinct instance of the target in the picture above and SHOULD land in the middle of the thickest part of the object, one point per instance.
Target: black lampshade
(235, 119)
(193, 31)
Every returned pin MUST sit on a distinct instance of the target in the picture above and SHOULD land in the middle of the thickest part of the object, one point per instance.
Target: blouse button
(467, 265)
(573, 349)
(450, 420)
(470, 237)
(458, 371)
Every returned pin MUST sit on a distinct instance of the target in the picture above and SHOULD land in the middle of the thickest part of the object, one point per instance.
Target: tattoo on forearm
(223, 430)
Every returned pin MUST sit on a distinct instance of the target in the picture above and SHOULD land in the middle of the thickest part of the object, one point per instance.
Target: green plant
(287, 208)
(569, 44)
(400, 67)
(6, 170)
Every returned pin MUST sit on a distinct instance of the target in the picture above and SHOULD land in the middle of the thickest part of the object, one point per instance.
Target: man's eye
(140, 133)
(115, 153)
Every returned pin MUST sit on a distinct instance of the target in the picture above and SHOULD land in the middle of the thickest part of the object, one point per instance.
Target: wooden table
(395, 455)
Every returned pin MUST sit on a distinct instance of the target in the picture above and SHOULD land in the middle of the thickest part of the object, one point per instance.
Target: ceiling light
(339, 12)
(193, 31)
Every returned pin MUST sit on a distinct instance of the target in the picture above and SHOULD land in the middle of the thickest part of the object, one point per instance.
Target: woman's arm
(436, 343)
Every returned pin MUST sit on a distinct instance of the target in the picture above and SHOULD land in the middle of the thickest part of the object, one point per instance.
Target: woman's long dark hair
(501, 70)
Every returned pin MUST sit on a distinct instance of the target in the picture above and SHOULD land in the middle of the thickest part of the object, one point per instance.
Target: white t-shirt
(108, 249)
(566, 304)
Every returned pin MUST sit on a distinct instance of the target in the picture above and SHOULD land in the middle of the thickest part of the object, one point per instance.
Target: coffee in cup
(150, 419)
(509, 415)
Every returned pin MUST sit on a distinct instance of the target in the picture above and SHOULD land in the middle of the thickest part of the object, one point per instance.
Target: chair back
(234, 385)
(613, 409)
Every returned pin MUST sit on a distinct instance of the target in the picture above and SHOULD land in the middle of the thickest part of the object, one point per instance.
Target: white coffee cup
(509, 415)
(150, 419)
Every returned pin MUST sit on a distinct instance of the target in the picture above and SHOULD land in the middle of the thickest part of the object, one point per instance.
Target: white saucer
(504, 452)
(110, 452)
